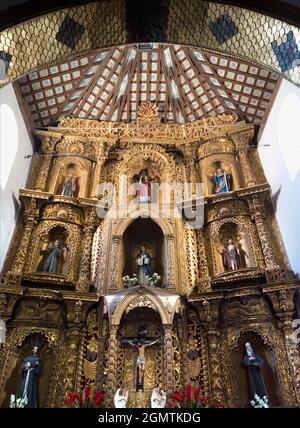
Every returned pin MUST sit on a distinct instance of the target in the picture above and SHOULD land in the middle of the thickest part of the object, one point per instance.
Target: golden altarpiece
(200, 313)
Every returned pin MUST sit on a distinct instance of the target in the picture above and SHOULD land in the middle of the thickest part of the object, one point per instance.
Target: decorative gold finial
(148, 111)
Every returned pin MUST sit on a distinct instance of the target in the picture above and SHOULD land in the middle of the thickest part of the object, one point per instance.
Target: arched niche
(16, 356)
(74, 168)
(240, 374)
(57, 234)
(130, 324)
(214, 155)
(241, 239)
(150, 158)
(143, 232)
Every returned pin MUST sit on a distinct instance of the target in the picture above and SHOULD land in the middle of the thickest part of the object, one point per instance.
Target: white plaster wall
(281, 163)
(14, 145)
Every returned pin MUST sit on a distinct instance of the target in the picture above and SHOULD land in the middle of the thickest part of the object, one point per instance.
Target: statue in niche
(141, 342)
(144, 189)
(143, 261)
(69, 186)
(231, 256)
(31, 370)
(52, 255)
(222, 181)
(254, 363)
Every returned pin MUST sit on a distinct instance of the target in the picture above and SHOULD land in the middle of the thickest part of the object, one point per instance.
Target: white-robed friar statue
(158, 398)
(121, 398)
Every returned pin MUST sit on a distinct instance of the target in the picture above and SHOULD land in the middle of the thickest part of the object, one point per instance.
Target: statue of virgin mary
(143, 261)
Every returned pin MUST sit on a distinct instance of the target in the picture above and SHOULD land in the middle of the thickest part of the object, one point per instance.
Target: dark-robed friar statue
(52, 255)
(255, 364)
(31, 370)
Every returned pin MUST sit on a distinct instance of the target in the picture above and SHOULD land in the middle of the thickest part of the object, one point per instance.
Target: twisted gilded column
(168, 359)
(112, 362)
(258, 215)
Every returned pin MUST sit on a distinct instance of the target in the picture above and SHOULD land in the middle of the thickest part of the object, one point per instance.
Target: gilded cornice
(144, 130)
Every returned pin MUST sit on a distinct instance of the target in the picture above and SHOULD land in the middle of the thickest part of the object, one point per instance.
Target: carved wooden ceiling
(187, 84)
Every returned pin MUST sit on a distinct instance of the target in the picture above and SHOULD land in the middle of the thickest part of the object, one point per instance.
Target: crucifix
(141, 342)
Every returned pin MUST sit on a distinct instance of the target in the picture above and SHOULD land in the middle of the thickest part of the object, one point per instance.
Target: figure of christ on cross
(141, 343)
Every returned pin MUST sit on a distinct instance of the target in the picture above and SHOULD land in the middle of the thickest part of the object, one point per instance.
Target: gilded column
(282, 298)
(241, 140)
(114, 261)
(209, 315)
(204, 278)
(100, 159)
(170, 261)
(46, 157)
(213, 339)
(293, 354)
(112, 362)
(190, 167)
(100, 363)
(84, 280)
(257, 214)
(30, 221)
(168, 359)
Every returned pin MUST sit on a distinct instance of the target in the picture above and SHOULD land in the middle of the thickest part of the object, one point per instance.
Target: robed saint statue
(254, 363)
(143, 261)
(144, 189)
(52, 255)
(222, 181)
(231, 256)
(31, 370)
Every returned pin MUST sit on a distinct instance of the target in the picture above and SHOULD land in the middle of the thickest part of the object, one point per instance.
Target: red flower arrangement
(189, 397)
(85, 398)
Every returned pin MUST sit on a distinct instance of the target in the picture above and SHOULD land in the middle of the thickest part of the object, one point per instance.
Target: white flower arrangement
(260, 403)
(19, 403)
(153, 280)
(130, 282)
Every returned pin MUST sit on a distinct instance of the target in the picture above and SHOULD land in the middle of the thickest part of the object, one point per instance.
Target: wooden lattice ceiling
(187, 84)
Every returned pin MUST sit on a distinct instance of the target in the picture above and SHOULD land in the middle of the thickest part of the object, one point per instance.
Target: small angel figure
(158, 398)
(121, 398)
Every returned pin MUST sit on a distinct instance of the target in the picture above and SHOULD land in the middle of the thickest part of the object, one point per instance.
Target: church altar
(146, 297)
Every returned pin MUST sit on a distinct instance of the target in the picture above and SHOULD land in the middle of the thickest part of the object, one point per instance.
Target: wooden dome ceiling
(186, 83)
